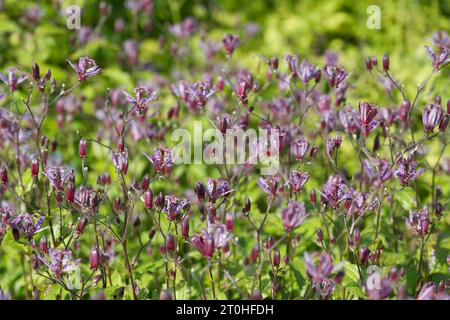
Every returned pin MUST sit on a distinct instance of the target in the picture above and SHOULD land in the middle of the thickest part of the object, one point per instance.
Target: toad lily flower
(293, 215)
(86, 68)
(431, 116)
(407, 171)
(367, 113)
(11, 80)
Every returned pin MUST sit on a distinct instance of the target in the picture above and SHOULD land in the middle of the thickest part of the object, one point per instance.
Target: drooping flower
(12, 80)
(336, 75)
(407, 171)
(418, 221)
(161, 160)
(367, 113)
(85, 68)
(26, 224)
(431, 116)
(293, 215)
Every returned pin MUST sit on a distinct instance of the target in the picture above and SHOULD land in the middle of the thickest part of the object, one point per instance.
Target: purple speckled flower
(85, 68)
(407, 171)
(293, 215)
(26, 224)
(60, 262)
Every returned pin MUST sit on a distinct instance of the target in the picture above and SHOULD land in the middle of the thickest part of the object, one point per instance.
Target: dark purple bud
(364, 255)
(276, 258)
(319, 235)
(386, 62)
(274, 63)
(44, 141)
(82, 149)
(137, 222)
(34, 168)
(339, 276)
(81, 225)
(170, 242)
(247, 206)
(151, 233)
(36, 72)
(148, 199)
(223, 125)
(94, 258)
(368, 64)
(270, 242)
(444, 122)
(48, 75)
(402, 272)
(160, 200)
(185, 228)
(116, 204)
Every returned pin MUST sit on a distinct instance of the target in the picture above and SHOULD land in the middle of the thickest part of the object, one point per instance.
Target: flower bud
(43, 244)
(160, 200)
(405, 106)
(3, 175)
(48, 75)
(276, 258)
(319, 235)
(35, 71)
(151, 233)
(229, 221)
(339, 276)
(274, 63)
(393, 275)
(145, 183)
(386, 62)
(185, 228)
(374, 61)
(94, 258)
(116, 204)
(313, 152)
(170, 242)
(220, 84)
(81, 225)
(444, 123)
(254, 253)
(148, 199)
(137, 222)
(364, 255)
(34, 168)
(368, 64)
(438, 100)
(312, 196)
(70, 192)
(82, 149)
(209, 247)
(270, 242)
(247, 206)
